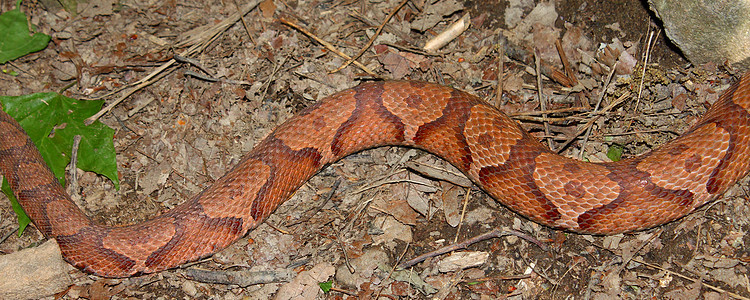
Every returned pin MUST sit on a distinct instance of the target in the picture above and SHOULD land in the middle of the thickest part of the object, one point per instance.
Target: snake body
(486, 145)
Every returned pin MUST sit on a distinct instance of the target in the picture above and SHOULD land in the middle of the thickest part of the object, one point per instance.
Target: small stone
(33, 273)
(189, 288)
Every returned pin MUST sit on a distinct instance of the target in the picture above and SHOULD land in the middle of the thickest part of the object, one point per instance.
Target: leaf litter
(193, 130)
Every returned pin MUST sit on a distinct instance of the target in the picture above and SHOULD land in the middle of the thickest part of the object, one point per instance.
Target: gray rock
(708, 31)
(34, 272)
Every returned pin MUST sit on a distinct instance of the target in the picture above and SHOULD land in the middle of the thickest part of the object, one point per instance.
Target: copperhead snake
(490, 148)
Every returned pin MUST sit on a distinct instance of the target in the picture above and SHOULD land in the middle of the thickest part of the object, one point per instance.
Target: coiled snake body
(490, 148)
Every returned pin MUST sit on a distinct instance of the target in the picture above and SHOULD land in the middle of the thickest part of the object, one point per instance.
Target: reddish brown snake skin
(491, 149)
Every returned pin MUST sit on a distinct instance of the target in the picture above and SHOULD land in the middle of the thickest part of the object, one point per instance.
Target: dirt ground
(179, 133)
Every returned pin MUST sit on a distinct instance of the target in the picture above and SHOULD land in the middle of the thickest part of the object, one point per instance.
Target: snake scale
(490, 148)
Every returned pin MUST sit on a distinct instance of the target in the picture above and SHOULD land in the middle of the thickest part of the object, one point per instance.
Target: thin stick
(309, 214)
(7, 235)
(393, 269)
(343, 291)
(244, 25)
(643, 72)
(372, 39)
(626, 259)
(543, 119)
(267, 84)
(412, 50)
(448, 34)
(596, 108)
(73, 171)
(492, 234)
(590, 123)
(242, 278)
(355, 14)
(463, 214)
(500, 277)
(139, 85)
(328, 46)
(565, 62)
(550, 111)
(640, 132)
(500, 71)
(339, 242)
(542, 100)
(209, 78)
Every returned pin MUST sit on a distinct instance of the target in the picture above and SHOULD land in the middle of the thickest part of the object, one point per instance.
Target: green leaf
(15, 38)
(52, 121)
(615, 152)
(326, 286)
(10, 72)
(23, 218)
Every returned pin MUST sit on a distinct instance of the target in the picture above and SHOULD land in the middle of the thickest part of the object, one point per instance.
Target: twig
(463, 214)
(596, 108)
(358, 213)
(73, 171)
(394, 268)
(543, 119)
(555, 75)
(383, 181)
(550, 111)
(244, 25)
(449, 34)
(499, 277)
(445, 290)
(328, 46)
(214, 79)
(643, 71)
(347, 262)
(432, 171)
(66, 87)
(640, 132)
(565, 62)
(355, 14)
(135, 89)
(500, 72)
(7, 235)
(267, 83)
(542, 100)
(578, 133)
(242, 278)
(570, 268)
(590, 123)
(496, 233)
(531, 267)
(626, 259)
(343, 291)
(412, 50)
(327, 197)
(372, 38)
(278, 228)
(194, 62)
(166, 68)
